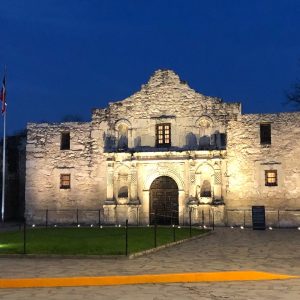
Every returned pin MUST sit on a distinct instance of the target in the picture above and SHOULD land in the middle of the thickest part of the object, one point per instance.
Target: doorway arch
(163, 201)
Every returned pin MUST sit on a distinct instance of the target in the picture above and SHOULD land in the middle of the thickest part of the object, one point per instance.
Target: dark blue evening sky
(67, 57)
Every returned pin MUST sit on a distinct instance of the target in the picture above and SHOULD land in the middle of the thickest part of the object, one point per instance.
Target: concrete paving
(276, 251)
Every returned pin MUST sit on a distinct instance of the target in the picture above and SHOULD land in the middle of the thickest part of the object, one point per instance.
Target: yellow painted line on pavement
(140, 279)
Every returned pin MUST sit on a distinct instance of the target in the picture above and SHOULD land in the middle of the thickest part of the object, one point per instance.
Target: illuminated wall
(248, 160)
(113, 159)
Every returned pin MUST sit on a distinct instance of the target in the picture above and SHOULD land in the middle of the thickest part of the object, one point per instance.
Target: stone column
(144, 210)
(110, 214)
(110, 183)
(133, 185)
(192, 178)
(217, 185)
(130, 138)
(181, 206)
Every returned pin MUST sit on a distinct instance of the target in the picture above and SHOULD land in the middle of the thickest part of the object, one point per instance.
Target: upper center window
(163, 135)
(65, 141)
(265, 134)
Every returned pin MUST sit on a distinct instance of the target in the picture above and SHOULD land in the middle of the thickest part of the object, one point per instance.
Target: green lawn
(105, 241)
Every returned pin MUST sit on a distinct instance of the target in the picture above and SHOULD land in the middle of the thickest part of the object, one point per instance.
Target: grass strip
(90, 241)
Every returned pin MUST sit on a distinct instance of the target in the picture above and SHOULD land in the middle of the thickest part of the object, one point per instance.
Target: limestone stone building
(162, 154)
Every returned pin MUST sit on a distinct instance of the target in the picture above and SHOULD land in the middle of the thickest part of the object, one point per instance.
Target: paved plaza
(276, 251)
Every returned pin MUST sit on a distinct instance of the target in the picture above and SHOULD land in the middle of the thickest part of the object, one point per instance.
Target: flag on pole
(3, 95)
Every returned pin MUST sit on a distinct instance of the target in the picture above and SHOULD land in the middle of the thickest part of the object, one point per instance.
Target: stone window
(65, 141)
(223, 140)
(122, 137)
(163, 135)
(265, 134)
(271, 178)
(205, 189)
(123, 192)
(65, 181)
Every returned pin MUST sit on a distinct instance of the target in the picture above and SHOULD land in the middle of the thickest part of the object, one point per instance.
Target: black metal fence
(28, 233)
(48, 217)
(280, 218)
(199, 216)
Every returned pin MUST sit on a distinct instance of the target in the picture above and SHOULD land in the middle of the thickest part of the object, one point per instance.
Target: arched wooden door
(164, 201)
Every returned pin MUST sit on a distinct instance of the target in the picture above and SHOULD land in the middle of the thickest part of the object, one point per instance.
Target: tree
(293, 97)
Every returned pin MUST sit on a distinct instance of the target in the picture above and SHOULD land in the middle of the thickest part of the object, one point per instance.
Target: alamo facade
(161, 154)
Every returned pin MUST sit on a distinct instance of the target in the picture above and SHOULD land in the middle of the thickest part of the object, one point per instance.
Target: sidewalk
(227, 249)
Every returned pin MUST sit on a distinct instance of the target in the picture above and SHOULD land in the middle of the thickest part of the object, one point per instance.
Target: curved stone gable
(166, 94)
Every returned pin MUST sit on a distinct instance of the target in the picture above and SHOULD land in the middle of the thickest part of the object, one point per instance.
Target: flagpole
(3, 98)
(3, 166)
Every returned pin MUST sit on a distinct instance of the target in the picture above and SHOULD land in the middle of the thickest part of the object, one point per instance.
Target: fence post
(190, 217)
(24, 237)
(226, 214)
(126, 237)
(155, 228)
(46, 218)
(99, 218)
(174, 236)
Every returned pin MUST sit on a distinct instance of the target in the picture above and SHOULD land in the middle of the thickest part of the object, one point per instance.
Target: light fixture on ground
(242, 227)
(270, 228)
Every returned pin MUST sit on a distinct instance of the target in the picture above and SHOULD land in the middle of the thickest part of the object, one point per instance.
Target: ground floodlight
(242, 227)
(78, 225)
(270, 228)
(92, 225)
(33, 225)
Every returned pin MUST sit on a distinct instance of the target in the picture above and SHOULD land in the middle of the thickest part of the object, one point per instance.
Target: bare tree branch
(293, 97)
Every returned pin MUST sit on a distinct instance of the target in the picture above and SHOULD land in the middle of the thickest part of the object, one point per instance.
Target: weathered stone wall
(188, 169)
(107, 176)
(247, 161)
(166, 99)
(45, 162)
